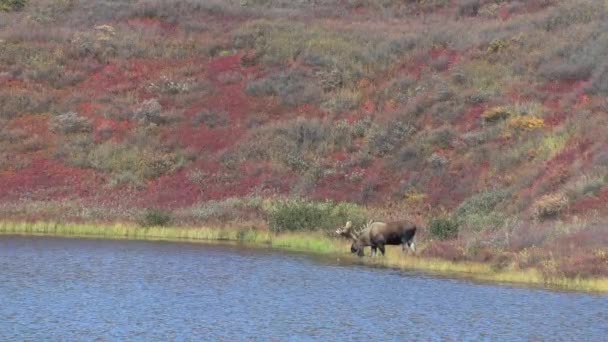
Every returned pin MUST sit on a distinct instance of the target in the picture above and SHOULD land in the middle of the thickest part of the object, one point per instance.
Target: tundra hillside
(488, 118)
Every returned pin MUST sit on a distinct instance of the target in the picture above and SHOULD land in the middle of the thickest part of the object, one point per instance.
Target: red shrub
(171, 191)
(48, 180)
(591, 264)
(448, 250)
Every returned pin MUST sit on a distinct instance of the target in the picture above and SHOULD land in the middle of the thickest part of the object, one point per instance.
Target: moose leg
(381, 249)
(373, 251)
(412, 244)
(405, 244)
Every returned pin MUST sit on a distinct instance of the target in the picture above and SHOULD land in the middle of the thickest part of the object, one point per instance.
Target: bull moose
(378, 234)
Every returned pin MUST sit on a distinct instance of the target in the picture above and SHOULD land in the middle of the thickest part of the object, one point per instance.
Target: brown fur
(381, 234)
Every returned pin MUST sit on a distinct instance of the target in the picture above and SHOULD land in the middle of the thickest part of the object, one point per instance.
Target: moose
(378, 234)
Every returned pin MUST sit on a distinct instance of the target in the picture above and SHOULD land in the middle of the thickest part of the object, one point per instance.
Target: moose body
(379, 234)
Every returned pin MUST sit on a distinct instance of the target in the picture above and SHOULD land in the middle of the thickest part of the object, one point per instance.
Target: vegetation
(443, 228)
(12, 5)
(303, 215)
(483, 120)
(155, 218)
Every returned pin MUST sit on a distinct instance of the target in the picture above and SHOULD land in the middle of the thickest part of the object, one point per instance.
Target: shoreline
(312, 242)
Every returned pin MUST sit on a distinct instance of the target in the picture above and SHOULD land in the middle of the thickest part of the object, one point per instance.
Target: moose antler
(347, 231)
(364, 227)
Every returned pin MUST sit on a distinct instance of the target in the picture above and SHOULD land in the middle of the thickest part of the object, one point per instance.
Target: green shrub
(442, 137)
(386, 139)
(151, 111)
(599, 82)
(17, 103)
(227, 210)
(443, 228)
(400, 90)
(588, 185)
(567, 71)
(171, 86)
(478, 211)
(294, 88)
(483, 202)
(139, 158)
(353, 56)
(468, 8)
(70, 122)
(211, 118)
(488, 79)
(571, 13)
(12, 5)
(99, 43)
(342, 101)
(156, 218)
(297, 143)
(437, 161)
(305, 215)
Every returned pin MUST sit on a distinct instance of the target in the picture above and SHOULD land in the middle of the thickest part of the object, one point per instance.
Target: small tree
(156, 218)
(444, 228)
(12, 5)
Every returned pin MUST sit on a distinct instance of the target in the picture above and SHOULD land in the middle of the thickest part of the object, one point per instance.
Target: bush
(293, 143)
(304, 215)
(342, 101)
(447, 250)
(409, 157)
(468, 8)
(353, 55)
(12, 5)
(99, 43)
(442, 137)
(167, 85)
(568, 71)
(599, 82)
(438, 161)
(440, 63)
(586, 186)
(156, 218)
(478, 211)
(550, 206)
(495, 113)
(400, 90)
(211, 118)
(150, 111)
(294, 88)
(573, 13)
(443, 228)
(230, 209)
(15, 104)
(138, 158)
(526, 123)
(488, 79)
(385, 140)
(69, 123)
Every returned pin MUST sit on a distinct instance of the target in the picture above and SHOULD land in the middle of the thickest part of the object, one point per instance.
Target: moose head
(348, 231)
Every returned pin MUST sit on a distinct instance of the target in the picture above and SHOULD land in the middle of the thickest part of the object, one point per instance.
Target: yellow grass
(306, 242)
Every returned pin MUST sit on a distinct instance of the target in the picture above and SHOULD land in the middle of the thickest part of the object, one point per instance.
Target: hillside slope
(488, 116)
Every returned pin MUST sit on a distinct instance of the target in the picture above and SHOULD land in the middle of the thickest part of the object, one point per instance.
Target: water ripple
(59, 289)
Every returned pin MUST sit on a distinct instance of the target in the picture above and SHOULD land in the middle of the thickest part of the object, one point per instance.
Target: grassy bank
(307, 242)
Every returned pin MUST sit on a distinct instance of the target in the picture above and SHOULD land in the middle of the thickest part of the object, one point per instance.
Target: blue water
(74, 290)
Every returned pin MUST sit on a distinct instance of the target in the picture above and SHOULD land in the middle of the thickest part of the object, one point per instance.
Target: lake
(104, 290)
